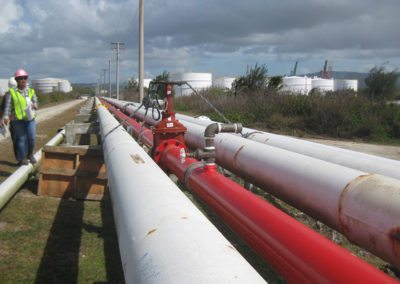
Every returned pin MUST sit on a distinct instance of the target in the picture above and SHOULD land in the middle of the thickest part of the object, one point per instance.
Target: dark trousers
(23, 135)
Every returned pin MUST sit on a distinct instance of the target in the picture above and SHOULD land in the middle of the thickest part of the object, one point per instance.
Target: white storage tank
(344, 84)
(64, 86)
(146, 82)
(198, 81)
(45, 85)
(321, 84)
(3, 86)
(48, 85)
(223, 82)
(296, 84)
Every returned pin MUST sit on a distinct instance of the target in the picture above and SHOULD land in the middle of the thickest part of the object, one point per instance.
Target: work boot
(23, 162)
(32, 159)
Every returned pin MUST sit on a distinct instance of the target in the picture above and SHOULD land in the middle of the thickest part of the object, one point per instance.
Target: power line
(120, 17)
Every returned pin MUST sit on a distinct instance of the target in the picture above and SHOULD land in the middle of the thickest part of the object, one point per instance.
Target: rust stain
(137, 159)
(394, 237)
(342, 221)
(151, 232)
(235, 157)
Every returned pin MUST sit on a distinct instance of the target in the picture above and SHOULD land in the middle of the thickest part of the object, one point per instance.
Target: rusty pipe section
(325, 191)
(369, 210)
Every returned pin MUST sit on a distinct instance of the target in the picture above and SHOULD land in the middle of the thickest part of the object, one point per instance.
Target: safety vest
(19, 102)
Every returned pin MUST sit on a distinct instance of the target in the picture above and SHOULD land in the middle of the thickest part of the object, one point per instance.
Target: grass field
(51, 240)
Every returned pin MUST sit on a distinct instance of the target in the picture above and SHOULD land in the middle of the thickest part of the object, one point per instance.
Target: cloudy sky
(71, 39)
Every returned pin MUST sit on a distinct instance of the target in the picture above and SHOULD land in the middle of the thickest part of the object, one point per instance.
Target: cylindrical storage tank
(345, 84)
(223, 82)
(3, 86)
(323, 85)
(45, 85)
(146, 82)
(296, 85)
(64, 86)
(198, 81)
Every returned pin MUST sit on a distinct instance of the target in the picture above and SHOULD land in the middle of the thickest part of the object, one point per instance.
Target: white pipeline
(11, 185)
(364, 207)
(352, 159)
(163, 237)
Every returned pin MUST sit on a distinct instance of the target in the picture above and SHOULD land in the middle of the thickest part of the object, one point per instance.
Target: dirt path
(47, 113)
(49, 120)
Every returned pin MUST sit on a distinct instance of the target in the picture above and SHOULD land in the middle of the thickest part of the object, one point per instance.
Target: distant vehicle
(78, 97)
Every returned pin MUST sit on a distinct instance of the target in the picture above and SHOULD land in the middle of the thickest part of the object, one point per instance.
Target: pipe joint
(208, 152)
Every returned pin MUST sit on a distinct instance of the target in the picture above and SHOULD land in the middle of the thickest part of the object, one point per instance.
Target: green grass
(48, 240)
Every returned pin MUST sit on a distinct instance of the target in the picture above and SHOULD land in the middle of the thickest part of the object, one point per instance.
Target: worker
(20, 106)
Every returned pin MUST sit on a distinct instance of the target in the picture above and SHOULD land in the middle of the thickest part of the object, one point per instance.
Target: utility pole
(141, 49)
(117, 46)
(109, 77)
(104, 80)
(98, 87)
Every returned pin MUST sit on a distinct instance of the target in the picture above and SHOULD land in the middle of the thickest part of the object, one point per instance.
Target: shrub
(337, 115)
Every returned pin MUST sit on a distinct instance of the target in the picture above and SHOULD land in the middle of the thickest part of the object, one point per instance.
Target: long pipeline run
(352, 159)
(298, 253)
(364, 207)
(162, 236)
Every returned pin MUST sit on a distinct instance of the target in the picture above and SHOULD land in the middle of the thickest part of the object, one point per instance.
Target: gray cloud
(71, 39)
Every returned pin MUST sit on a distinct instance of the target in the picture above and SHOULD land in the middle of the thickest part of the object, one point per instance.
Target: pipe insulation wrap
(163, 237)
